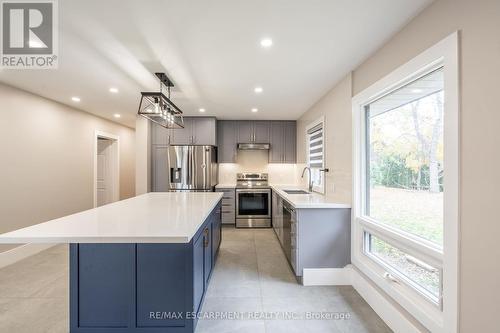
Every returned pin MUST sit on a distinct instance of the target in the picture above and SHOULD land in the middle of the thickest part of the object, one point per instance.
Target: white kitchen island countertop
(149, 218)
(311, 200)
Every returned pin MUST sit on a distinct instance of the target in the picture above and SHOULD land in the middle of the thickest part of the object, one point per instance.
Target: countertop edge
(326, 205)
(11, 237)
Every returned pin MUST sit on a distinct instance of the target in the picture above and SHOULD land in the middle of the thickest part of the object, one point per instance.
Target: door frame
(114, 162)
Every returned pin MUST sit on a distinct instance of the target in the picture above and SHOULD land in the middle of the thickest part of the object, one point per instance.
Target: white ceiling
(211, 51)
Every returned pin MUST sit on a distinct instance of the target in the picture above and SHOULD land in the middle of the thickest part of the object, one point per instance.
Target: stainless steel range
(253, 201)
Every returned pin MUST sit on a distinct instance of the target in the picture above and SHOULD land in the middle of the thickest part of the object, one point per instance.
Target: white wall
(142, 155)
(335, 107)
(257, 161)
(47, 162)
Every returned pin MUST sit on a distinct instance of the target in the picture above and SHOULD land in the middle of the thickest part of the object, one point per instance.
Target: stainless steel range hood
(253, 146)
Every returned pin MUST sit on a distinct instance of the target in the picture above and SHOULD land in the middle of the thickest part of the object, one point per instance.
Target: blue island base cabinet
(141, 287)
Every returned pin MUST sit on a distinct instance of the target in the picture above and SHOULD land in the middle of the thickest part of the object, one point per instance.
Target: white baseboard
(393, 315)
(21, 252)
(326, 276)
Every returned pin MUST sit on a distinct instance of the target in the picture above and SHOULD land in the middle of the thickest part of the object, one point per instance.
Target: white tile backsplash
(257, 161)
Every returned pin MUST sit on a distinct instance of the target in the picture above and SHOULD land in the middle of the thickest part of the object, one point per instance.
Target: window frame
(321, 120)
(435, 318)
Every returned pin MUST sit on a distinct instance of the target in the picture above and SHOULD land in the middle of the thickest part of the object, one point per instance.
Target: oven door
(253, 203)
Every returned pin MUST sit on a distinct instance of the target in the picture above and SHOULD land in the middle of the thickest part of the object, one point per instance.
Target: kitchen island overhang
(155, 282)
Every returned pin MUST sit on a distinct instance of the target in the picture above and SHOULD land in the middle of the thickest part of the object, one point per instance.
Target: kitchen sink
(295, 192)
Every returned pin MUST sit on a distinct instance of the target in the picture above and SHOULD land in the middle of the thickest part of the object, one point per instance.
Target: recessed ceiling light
(117, 115)
(113, 90)
(258, 90)
(266, 42)
(255, 110)
(416, 91)
(75, 99)
(202, 110)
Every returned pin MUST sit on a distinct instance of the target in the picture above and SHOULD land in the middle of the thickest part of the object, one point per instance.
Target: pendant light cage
(158, 108)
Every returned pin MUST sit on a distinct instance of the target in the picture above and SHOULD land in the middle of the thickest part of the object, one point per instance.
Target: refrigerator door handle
(194, 176)
(205, 169)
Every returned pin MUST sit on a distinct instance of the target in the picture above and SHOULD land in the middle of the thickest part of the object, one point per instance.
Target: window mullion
(417, 248)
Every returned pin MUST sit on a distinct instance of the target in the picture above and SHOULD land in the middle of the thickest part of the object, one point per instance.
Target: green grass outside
(417, 212)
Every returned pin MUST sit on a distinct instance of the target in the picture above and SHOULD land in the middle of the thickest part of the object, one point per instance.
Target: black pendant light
(158, 108)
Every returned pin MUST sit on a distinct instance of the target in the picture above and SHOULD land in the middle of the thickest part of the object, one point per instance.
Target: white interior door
(104, 172)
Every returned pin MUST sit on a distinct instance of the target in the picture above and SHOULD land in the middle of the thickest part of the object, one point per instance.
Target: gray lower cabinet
(283, 140)
(159, 174)
(196, 131)
(313, 237)
(277, 215)
(227, 139)
(228, 211)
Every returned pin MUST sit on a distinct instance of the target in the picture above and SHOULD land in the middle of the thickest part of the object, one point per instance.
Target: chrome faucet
(310, 179)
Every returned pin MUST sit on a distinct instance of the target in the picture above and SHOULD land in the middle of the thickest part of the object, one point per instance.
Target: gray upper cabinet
(227, 138)
(283, 142)
(261, 131)
(281, 135)
(205, 131)
(196, 131)
(253, 131)
(183, 136)
(277, 142)
(160, 135)
(290, 144)
(245, 131)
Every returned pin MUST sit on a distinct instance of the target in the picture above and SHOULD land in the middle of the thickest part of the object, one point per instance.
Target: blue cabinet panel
(142, 288)
(198, 274)
(207, 250)
(106, 273)
(155, 264)
(216, 233)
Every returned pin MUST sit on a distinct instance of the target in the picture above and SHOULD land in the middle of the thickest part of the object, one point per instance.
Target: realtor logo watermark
(29, 34)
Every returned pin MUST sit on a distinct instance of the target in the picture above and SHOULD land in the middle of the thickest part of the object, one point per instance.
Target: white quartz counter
(149, 218)
(311, 200)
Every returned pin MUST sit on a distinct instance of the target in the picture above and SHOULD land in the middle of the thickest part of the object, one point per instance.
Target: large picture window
(404, 158)
(404, 172)
(405, 192)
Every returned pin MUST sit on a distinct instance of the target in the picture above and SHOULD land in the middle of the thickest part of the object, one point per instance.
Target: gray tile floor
(251, 282)
(253, 276)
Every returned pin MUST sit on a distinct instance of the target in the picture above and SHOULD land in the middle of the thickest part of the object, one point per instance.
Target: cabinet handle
(205, 241)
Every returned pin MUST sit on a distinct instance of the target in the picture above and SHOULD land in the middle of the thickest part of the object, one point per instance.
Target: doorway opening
(106, 169)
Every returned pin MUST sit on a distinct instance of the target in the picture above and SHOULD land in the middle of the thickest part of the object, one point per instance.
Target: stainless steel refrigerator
(192, 168)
